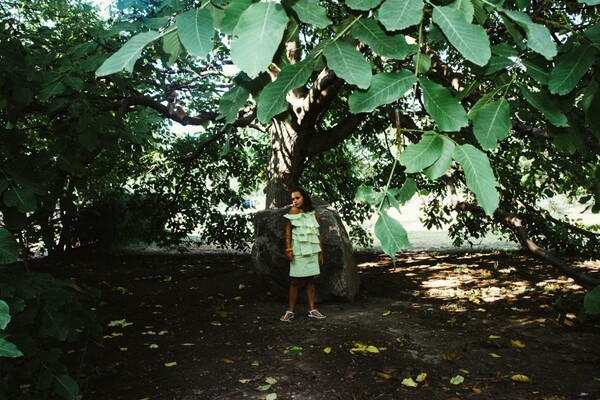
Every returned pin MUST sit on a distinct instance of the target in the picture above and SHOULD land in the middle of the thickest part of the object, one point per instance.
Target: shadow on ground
(201, 326)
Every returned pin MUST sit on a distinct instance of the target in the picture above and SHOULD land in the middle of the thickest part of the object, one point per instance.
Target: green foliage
(39, 314)
(591, 301)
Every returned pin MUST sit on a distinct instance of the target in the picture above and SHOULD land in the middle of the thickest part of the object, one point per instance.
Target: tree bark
(285, 164)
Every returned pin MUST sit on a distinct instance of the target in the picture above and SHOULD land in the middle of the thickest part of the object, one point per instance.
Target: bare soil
(202, 326)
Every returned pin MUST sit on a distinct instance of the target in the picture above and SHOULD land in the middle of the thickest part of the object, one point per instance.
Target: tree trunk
(285, 164)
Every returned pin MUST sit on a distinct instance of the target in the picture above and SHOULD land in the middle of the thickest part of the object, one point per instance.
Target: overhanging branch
(514, 223)
(177, 116)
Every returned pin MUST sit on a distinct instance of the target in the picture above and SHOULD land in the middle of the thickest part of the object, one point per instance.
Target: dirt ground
(202, 326)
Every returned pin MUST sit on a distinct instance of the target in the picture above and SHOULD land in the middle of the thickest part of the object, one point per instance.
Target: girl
(304, 249)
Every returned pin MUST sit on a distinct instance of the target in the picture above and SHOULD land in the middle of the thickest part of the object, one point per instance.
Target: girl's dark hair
(308, 204)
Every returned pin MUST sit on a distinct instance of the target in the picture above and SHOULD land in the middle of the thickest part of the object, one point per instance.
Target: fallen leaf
(227, 361)
(163, 333)
(123, 348)
(372, 349)
(520, 378)
(457, 380)
(153, 346)
(422, 376)
(244, 381)
(517, 344)
(271, 380)
(215, 323)
(476, 390)
(361, 348)
(385, 314)
(237, 298)
(271, 396)
(149, 333)
(409, 382)
(494, 337)
(264, 388)
(171, 364)
(327, 350)
(187, 344)
(383, 375)
(112, 335)
(452, 356)
(495, 355)
(293, 351)
(255, 363)
(120, 322)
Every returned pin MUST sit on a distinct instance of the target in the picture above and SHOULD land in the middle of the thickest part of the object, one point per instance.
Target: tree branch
(321, 94)
(328, 139)
(177, 116)
(514, 223)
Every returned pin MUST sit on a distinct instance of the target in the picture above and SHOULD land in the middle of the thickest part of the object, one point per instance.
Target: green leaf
(233, 12)
(66, 387)
(448, 113)
(590, 104)
(8, 349)
(272, 100)
(195, 30)
(592, 33)
(538, 36)
(422, 62)
(172, 46)
(232, 102)
(4, 314)
(504, 50)
(496, 64)
(369, 32)
(362, 5)
(443, 163)
(589, 2)
(126, 56)
(421, 155)
(547, 105)
(22, 198)
(570, 68)
(492, 124)
(368, 195)
(406, 192)
(591, 301)
(385, 88)
(537, 71)
(257, 37)
(348, 63)
(54, 88)
(479, 175)
(470, 40)
(311, 12)
(391, 234)
(400, 14)
(464, 8)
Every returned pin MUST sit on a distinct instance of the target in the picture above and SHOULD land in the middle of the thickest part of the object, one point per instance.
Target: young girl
(304, 250)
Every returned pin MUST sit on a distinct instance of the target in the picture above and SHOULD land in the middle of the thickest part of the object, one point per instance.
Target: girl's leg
(293, 293)
(310, 291)
(289, 314)
(310, 294)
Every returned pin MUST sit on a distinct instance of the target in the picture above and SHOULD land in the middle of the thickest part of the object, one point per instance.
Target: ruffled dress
(305, 244)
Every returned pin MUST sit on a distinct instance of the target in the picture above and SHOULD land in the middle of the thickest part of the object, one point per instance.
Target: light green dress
(305, 244)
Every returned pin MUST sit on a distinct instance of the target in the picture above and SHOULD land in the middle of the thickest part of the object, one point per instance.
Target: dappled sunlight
(473, 279)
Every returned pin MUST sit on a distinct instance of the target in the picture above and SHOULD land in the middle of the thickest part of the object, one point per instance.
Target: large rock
(339, 274)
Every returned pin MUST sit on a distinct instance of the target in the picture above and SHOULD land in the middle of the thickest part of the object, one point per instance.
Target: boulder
(339, 274)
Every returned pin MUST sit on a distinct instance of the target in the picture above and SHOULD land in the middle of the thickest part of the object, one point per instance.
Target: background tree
(494, 98)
